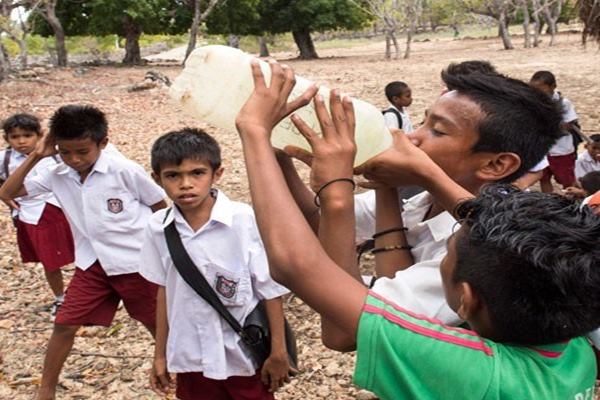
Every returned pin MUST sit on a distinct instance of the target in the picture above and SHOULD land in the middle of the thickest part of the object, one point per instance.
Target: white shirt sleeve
(151, 263)
(580, 168)
(541, 165)
(40, 183)
(569, 114)
(420, 290)
(2, 156)
(263, 286)
(364, 212)
(391, 121)
(147, 190)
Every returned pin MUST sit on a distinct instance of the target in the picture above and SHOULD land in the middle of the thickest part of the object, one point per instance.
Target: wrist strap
(349, 180)
(389, 248)
(385, 232)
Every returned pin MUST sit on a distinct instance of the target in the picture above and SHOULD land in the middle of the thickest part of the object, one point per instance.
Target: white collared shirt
(107, 212)
(230, 254)
(541, 165)
(391, 120)
(585, 164)
(419, 287)
(564, 144)
(31, 207)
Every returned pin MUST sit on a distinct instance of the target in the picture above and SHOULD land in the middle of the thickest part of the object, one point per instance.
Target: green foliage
(310, 15)
(237, 17)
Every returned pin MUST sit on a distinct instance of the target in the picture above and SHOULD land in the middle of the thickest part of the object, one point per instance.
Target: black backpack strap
(396, 113)
(6, 162)
(193, 277)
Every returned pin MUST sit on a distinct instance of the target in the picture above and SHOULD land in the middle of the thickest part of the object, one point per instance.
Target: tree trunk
(133, 32)
(549, 20)
(22, 52)
(59, 33)
(388, 45)
(193, 30)
(305, 45)
(537, 23)
(396, 46)
(4, 65)
(504, 31)
(409, 36)
(264, 48)
(526, 20)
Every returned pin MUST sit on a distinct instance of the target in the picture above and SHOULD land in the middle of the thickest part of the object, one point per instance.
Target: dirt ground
(111, 363)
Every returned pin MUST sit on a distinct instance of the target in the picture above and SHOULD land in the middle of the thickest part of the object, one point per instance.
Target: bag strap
(194, 278)
(396, 113)
(6, 162)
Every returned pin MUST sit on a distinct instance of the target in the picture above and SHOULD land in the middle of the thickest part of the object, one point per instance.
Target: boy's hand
(267, 106)
(46, 147)
(160, 379)
(276, 371)
(333, 153)
(573, 192)
(401, 165)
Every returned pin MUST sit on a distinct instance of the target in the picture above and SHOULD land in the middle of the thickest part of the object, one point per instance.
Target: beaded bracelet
(389, 248)
(349, 180)
(385, 232)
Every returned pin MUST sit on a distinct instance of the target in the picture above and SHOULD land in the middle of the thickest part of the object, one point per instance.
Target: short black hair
(546, 77)
(24, 121)
(518, 119)
(187, 143)
(395, 88)
(79, 122)
(533, 260)
(590, 182)
(595, 138)
(470, 67)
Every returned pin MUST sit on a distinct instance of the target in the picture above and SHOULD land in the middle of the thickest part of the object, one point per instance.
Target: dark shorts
(562, 168)
(194, 386)
(49, 242)
(92, 298)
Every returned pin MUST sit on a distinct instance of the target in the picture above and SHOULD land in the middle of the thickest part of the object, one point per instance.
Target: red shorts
(49, 242)
(194, 386)
(92, 298)
(562, 168)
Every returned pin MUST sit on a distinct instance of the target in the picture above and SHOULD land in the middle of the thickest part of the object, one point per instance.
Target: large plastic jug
(217, 81)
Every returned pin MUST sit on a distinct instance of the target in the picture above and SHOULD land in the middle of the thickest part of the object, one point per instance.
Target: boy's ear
(103, 143)
(156, 178)
(217, 174)
(469, 302)
(498, 166)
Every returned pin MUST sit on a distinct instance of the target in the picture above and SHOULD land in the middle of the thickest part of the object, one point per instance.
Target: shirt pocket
(119, 207)
(232, 288)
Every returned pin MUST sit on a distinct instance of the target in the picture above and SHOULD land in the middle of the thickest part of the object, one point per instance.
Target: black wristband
(389, 248)
(385, 232)
(349, 180)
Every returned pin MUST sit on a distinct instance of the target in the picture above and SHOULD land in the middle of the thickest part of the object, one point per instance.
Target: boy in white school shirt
(43, 233)
(221, 237)
(107, 200)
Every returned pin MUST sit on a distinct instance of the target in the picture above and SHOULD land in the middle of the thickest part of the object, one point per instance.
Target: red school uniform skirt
(50, 242)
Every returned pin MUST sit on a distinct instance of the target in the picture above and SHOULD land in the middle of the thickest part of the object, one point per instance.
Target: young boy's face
(594, 149)
(22, 140)
(188, 184)
(449, 135)
(80, 154)
(404, 99)
(541, 86)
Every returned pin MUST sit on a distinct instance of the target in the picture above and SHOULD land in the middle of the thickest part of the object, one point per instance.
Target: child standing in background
(43, 233)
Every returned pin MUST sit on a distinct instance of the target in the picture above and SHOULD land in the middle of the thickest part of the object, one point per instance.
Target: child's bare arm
(296, 259)
(392, 252)
(160, 379)
(13, 187)
(303, 196)
(276, 369)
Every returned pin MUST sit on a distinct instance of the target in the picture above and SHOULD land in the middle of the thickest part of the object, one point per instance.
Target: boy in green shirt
(522, 270)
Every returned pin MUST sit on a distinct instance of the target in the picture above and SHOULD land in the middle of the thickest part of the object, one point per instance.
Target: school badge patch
(115, 206)
(226, 287)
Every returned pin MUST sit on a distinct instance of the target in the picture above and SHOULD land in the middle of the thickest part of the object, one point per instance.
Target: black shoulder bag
(255, 332)
(396, 113)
